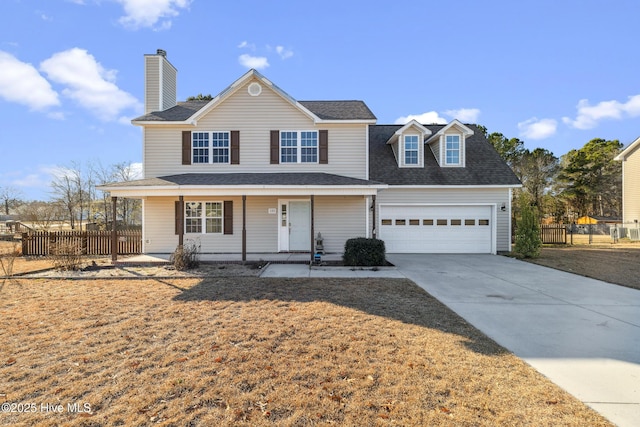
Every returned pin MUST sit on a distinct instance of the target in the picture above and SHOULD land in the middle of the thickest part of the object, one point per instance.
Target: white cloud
(32, 180)
(535, 128)
(465, 115)
(430, 117)
(22, 83)
(257, 62)
(589, 116)
(89, 84)
(151, 13)
(246, 45)
(135, 170)
(284, 53)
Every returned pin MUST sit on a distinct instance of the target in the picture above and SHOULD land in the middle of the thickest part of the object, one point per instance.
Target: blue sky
(554, 73)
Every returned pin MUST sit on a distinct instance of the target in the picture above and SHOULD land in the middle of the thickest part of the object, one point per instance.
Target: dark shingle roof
(325, 110)
(339, 110)
(259, 179)
(483, 165)
(178, 113)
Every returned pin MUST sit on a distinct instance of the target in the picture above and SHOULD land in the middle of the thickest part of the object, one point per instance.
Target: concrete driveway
(581, 333)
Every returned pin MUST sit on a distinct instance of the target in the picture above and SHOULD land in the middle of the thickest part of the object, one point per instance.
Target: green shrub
(528, 240)
(364, 252)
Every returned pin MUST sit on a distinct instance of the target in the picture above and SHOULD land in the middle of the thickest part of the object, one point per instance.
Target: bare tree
(10, 198)
(127, 208)
(104, 175)
(41, 214)
(74, 187)
(63, 187)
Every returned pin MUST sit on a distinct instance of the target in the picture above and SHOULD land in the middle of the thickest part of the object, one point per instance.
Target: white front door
(295, 225)
(299, 226)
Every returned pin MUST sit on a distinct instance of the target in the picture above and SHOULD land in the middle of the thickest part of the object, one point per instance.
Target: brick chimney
(160, 82)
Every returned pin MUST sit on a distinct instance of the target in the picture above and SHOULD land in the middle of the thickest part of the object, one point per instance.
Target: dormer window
(448, 144)
(407, 144)
(452, 154)
(411, 149)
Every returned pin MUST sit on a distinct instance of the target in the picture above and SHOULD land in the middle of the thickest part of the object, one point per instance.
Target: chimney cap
(161, 52)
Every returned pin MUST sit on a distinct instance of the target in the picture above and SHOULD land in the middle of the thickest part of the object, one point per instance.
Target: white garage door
(436, 229)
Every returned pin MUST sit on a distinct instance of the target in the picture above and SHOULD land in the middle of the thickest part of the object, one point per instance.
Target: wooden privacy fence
(553, 233)
(90, 242)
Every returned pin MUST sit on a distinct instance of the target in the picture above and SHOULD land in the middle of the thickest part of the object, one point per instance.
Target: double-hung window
(201, 216)
(452, 149)
(411, 149)
(220, 147)
(299, 147)
(200, 144)
(210, 147)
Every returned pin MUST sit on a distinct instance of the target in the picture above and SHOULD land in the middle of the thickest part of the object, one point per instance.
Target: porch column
(313, 246)
(373, 209)
(181, 221)
(244, 228)
(114, 231)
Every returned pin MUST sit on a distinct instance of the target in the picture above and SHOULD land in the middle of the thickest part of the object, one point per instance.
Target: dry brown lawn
(252, 351)
(619, 264)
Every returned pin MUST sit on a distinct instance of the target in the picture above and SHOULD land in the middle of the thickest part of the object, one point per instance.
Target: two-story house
(255, 171)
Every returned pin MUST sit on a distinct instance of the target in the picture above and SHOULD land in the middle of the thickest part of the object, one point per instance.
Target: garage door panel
(436, 229)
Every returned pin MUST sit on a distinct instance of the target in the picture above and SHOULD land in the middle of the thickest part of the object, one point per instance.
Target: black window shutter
(235, 147)
(323, 147)
(275, 147)
(186, 147)
(228, 217)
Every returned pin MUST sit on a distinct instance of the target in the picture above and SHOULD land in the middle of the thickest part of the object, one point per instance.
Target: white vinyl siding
(255, 117)
(169, 85)
(159, 227)
(453, 196)
(630, 186)
(338, 218)
(160, 83)
(152, 83)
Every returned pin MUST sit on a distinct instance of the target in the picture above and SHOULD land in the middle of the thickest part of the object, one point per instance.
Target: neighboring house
(630, 158)
(255, 171)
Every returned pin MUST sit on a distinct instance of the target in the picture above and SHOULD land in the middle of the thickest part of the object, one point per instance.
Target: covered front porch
(244, 217)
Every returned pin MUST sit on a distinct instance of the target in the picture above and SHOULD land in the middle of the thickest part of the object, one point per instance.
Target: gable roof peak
(425, 132)
(627, 150)
(466, 130)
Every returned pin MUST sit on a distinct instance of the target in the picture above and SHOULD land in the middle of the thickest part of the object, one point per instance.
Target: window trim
(458, 150)
(203, 216)
(405, 150)
(210, 147)
(298, 147)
